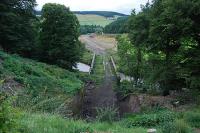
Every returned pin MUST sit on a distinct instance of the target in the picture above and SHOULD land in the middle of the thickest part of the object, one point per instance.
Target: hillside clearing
(90, 19)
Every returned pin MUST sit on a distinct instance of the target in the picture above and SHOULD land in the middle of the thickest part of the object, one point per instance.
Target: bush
(125, 88)
(179, 126)
(150, 119)
(107, 114)
(193, 118)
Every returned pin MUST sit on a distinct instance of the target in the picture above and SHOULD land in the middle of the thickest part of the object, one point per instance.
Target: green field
(90, 19)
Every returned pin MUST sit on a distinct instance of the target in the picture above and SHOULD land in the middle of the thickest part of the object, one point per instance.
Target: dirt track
(103, 95)
(97, 44)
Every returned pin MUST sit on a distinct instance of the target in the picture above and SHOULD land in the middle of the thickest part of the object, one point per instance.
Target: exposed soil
(10, 86)
(98, 44)
(197, 131)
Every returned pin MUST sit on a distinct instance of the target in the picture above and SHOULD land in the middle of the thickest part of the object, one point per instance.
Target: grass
(87, 57)
(98, 71)
(108, 38)
(178, 126)
(93, 20)
(45, 123)
(193, 117)
(45, 88)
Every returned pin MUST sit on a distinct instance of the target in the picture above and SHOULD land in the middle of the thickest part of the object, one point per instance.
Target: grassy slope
(93, 20)
(43, 87)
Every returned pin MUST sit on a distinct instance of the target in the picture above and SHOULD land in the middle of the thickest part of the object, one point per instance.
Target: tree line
(163, 45)
(119, 26)
(85, 29)
(52, 38)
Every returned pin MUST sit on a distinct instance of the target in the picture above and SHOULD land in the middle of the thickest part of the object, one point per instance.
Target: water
(82, 67)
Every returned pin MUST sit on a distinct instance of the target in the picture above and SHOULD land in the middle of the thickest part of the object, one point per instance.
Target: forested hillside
(117, 27)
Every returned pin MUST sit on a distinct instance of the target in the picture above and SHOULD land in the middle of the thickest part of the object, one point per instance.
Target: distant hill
(100, 13)
(101, 18)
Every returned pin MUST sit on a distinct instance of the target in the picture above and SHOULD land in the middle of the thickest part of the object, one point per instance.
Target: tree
(138, 34)
(17, 34)
(126, 53)
(171, 24)
(59, 36)
(166, 37)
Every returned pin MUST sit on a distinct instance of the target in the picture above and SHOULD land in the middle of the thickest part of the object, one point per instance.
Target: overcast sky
(122, 6)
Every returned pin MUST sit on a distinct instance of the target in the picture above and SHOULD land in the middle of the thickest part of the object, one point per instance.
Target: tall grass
(193, 118)
(45, 123)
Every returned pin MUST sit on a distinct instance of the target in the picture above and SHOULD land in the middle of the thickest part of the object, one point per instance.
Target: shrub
(125, 88)
(150, 119)
(8, 115)
(107, 114)
(193, 118)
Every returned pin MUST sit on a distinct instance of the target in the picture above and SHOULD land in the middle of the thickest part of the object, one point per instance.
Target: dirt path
(101, 96)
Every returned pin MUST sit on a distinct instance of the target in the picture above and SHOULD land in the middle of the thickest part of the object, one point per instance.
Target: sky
(122, 6)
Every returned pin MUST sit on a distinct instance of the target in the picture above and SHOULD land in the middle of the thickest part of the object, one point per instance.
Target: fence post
(92, 64)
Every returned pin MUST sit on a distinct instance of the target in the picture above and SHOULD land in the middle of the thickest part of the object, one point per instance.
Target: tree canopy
(17, 32)
(165, 37)
(59, 36)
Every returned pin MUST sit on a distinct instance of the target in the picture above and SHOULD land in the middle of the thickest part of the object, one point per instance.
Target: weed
(107, 114)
